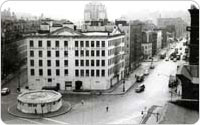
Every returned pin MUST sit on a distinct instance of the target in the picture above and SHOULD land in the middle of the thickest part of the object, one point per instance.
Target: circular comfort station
(39, 101)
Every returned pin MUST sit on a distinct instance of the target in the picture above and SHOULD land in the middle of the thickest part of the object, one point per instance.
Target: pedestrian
(106, 108)
(82, 102)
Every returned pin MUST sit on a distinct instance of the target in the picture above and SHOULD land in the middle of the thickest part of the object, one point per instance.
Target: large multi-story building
(73, 61)
(95, 14)
(146, 44)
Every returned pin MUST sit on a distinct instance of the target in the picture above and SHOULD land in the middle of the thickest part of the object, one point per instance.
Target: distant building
(95, 14)
(177, 22)
(136, 56)
(72, 60)
(146, 45)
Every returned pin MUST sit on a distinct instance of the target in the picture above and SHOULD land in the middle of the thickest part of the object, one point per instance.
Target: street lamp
(123, 85)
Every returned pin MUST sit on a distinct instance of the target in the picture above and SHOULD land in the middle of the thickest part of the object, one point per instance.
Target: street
(122, 109)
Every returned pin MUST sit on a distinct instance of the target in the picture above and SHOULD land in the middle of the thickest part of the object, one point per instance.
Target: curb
(39, 116)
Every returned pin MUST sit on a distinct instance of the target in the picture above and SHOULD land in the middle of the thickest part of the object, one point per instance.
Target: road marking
(30, 121)
(55, 121)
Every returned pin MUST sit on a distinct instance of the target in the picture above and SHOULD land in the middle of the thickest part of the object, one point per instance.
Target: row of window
(48, 43)
(91, 73)
(49, 72)
(89, 43)
(115, 50)
(89, 62)
(89, 53)
(78, 73)
(49, 63)
(40, 53)
(115, 59)
(115, 68)
(115, 42)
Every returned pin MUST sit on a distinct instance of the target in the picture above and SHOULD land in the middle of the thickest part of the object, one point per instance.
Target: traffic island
(66, 107)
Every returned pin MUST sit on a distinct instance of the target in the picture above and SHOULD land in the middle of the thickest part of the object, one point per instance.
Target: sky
(74, 10)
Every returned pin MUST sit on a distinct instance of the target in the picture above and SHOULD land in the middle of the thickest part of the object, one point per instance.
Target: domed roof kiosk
(39, 101)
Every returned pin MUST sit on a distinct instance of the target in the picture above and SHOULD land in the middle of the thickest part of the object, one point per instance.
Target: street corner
(66, 107)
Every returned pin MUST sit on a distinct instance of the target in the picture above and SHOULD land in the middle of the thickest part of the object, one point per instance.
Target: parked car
(146, 72)
(5, 91)
(167, 59)
(140, 88)
(139, 77)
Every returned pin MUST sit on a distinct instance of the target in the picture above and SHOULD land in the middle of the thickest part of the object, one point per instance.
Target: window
(76, 52)
(32, 72)
(102, 62)
(92, 72)
(57, 43)
(92, 43)
(102, 43)
(31, 53)
(97, 53)
(31, 43)
(40, 54)
(57, 54)
(87, 53)
(82, 62)
(40, 72)
(87, 73)
(48, 53)
(57, 72)
(49, 72)
(76, 62)
(97, 73)
(82, 72)
(66, 72)
(31, 62)
(39, 43)
(82, 44)
(102, 73)
(48, 43)
(49, 80)
(82, 52)
(66, 63)
(66, 53)
(57, 63)
(87, 43)
(103, 53)
(87, 63)
(97, 44)
(66, 43)
(97, 62)
(76, 72)
(48, 62)
(40, 62)
(92, 52)
(92, 62)
(76, 43)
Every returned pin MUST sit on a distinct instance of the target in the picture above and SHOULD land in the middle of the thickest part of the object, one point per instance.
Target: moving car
(139, 77)
(140, 88)
(174, 60)
(152, 67)
(146, 72)
(178, 57)
(5, 91)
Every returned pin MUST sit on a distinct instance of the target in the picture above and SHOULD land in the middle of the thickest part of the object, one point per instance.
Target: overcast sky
(74, 10)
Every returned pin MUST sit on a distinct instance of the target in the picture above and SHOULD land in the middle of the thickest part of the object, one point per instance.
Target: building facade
(75, 61)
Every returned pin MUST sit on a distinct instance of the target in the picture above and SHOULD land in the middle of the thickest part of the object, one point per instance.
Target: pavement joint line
(30, 120)
(55, 121)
